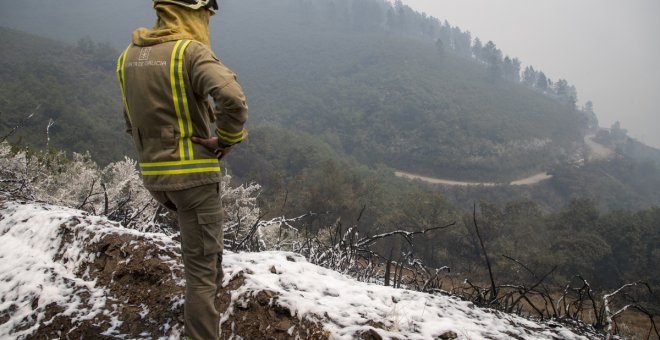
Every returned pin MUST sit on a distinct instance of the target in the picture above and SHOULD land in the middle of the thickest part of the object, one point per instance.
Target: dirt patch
(258, 315)
(143, 280)
(136, 272)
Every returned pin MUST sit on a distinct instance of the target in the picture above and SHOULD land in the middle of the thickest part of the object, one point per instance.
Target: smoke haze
(608, 49)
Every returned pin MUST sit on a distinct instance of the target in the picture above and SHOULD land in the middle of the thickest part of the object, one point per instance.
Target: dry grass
(632, 324)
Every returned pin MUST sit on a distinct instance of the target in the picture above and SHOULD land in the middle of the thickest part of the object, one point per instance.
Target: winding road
(531, 180)
(596, 152)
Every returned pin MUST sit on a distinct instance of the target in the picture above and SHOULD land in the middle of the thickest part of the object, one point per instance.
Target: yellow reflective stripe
(227, 137)
(175, 96)
(228, 134)
(187, 134)
(120, 77)
(180, 167)
(180, 100)
(184, 162)
(230, 140)
(179, 171)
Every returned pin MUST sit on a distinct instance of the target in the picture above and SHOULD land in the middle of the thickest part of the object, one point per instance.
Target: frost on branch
(75, 181)
(239, 203)
(115, 191)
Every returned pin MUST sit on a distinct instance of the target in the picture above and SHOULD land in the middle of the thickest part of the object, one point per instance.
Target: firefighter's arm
(231, 114)
(210, 77)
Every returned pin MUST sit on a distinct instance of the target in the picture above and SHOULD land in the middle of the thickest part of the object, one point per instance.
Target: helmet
(211, 5)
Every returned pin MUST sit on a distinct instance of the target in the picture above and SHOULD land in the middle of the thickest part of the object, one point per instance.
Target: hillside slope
(68, 274)
(382, 96)
(359, 81)
(75, 86)
(351, 72)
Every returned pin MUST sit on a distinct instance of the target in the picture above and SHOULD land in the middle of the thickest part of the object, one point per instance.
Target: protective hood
(175, 23)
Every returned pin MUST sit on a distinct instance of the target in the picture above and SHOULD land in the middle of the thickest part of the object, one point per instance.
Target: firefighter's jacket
(165, 87)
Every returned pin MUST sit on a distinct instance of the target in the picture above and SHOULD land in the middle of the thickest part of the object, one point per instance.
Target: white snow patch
(30, 278)
(38, 269)
(345, 306)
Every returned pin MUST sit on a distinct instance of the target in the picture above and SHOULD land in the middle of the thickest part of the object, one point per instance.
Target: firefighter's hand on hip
(211, 144)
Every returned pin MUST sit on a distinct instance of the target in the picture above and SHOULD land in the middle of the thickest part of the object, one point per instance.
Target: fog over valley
(608, 49)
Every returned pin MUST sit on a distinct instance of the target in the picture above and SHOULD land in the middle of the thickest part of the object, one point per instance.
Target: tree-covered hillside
(379, 83)
(355, 74)
(75, 86)
(374, 79)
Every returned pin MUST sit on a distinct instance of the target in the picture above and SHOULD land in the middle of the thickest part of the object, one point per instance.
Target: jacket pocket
(211, 227)
(168, 137)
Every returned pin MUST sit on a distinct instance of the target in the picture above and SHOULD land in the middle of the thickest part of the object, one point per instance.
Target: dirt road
(597, 151)
(531, 180)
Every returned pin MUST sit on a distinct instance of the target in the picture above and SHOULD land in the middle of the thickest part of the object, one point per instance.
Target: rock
(371, 334)
(448, 335)
(264, 296)
(283, 325)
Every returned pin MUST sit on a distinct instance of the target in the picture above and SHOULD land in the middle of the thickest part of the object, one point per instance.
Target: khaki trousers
(200, 218)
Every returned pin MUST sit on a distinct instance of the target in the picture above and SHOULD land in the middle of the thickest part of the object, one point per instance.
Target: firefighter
(166, 76)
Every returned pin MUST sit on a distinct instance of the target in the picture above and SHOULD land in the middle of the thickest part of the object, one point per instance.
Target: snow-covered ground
(346, 307)
(53, 278)
(37, 269)
(50, 272)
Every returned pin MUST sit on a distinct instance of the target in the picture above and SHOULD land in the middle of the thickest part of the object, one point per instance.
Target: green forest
(378, 94)
(367, 88)
(75, 86)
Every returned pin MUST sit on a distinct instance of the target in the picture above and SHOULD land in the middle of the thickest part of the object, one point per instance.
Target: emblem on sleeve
(144, 53)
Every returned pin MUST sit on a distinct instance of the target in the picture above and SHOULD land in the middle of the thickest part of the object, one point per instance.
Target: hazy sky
(608, 49)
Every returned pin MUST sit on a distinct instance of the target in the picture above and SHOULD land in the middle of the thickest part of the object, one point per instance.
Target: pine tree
(529, 76)
(542, 82)
(477, 49)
